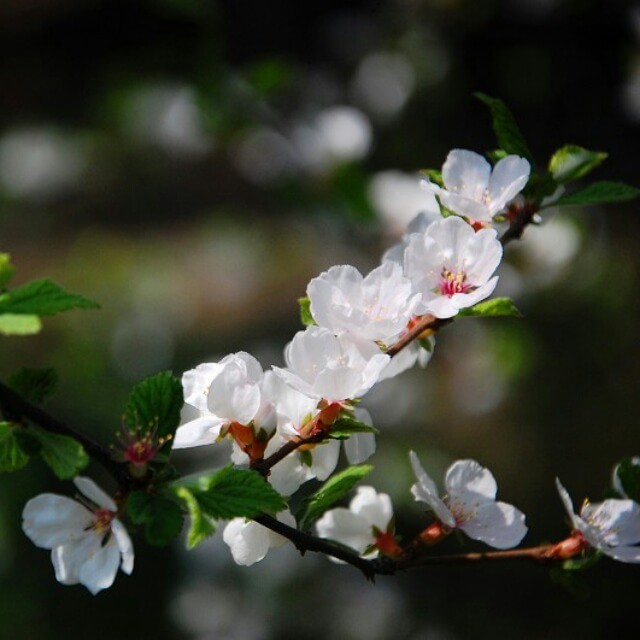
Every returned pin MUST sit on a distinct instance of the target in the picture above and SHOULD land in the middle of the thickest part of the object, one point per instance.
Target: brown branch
(538, 555)
(522, 218)
(14, 404)
(426, 323)
(388, 566)
(264, 466)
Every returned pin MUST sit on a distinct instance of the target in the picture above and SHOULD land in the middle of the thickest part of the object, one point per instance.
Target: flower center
(102, 520)
(452, 283)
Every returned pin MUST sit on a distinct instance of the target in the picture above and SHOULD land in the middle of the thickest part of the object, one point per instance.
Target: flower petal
(123, 540)
(425, 490)
(99, 569)
(508, 179)
(247, 540)
(347, 528)
(360, 447)
(466, 173)
(498, 524)
(90, 489)
(68, 558)
(50, 520)
(466, 477)
(374, 507)
(198, 432)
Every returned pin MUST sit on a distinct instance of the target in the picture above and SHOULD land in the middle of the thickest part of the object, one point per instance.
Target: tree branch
(16, 405)
(388, 566)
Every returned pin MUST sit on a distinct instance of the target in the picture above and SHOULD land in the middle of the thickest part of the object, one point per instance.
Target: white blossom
(419, 224)
(470, 504)
(472, 189)
(369, 514)
(88, 543)
(376, 307)
(451, 266)
(612, 526)
(218, 394)
(336, 368)
(250, 542)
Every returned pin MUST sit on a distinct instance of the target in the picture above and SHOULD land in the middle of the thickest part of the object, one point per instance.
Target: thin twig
(21, 408)
(388, 566)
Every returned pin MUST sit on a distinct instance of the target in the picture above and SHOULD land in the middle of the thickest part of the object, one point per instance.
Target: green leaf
(600, 193)
(505, 127)
(627, 474)
(580, 563)
(434, 176)
(305, 312)
(493, 307)
(155, 403)
(201, 527)
(12, 455)
(233, 493)
(6, 269)
(572, 162)
(331, 491)
(42, 298)
(12, 324)
(496, 155)
(34, 384)
(65, 455)
(162, 518)
(343, 428)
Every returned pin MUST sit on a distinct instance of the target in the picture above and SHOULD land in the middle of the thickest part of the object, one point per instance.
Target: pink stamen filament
(452, 283)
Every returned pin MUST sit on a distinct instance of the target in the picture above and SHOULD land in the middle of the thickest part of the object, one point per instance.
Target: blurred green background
(191, 165)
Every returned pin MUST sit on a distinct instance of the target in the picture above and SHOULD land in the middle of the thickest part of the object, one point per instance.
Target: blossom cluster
(446, 262)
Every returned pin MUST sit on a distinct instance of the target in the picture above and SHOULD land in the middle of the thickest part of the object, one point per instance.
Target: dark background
(165, 158)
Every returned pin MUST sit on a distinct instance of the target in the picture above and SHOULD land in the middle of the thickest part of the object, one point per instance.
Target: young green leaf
(155, 404)
(6, 269)
(505, 127)
(201, 526)
(305, 312)
(63, 454)
(42, 298)
(36, 385)
(572, 162)
(345, 427)
(13, 324)
(434, 176)
(600, 193)
(12, 456)
(331, 491)
(232, 493)
(162, 518)
(627, 478)
(494, 307)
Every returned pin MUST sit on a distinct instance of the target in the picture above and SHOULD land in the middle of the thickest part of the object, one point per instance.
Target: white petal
(374, 507)
(566, 501)
(623, 554)
(198, 432)
(498, 524)
(196, 382)
(99, 569)
(508, 179)
(466, 173)
(234, 395)
(324, 459)
(425, 490)
(123, 540)
(466, 477)
(360, 447)
(68, 558)
(248, 541)
(347, 528)
(289, 475)
(275, 539)
(465, 206)
(50, 520)
(90, 489)
(617, 520)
